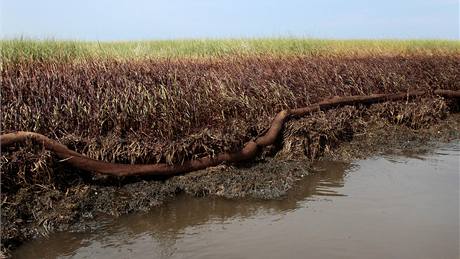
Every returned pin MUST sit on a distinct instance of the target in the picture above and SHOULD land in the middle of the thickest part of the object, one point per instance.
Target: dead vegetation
(171, 111)
(178, 110)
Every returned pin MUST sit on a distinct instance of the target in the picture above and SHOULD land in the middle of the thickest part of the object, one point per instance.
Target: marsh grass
(147, 111)
(23, 49)
(172, 101)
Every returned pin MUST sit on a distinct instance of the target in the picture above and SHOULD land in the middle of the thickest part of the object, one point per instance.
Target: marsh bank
(170, 111)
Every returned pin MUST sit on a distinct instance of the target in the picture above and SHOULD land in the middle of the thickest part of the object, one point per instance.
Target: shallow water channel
(391, 206)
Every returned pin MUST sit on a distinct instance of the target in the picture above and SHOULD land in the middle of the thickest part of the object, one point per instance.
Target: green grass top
(20, 49)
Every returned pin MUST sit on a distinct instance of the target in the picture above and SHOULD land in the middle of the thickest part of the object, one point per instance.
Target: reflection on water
(395, 206)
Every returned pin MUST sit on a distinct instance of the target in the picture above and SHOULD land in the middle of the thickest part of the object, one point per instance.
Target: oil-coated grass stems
(249, 151)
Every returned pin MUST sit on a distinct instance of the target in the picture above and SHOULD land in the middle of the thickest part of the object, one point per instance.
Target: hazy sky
(143, 19)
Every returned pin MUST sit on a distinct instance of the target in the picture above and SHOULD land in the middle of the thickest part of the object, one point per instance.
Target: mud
(76, 199)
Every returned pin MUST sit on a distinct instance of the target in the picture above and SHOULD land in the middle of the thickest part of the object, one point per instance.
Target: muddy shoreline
(327, 214)
(75, 199)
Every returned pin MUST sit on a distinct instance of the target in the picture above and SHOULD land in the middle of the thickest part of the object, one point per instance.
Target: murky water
(385, 207)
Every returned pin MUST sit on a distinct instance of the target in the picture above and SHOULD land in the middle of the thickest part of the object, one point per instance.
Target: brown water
(385, 207)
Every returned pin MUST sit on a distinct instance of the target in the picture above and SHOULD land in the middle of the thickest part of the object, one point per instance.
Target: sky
(119, 20)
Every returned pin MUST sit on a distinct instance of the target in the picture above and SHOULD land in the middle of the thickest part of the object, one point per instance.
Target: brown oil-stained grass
(178, 110)
(249, 151)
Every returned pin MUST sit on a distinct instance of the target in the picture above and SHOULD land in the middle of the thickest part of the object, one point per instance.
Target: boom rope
(249, 151)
